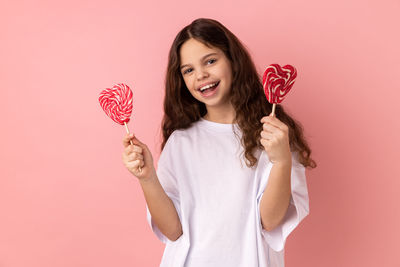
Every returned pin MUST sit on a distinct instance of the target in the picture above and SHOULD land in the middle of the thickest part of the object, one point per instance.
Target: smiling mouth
(216, 84)
(210, 91)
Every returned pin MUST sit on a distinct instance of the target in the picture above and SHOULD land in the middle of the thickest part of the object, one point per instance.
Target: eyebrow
(201, 59)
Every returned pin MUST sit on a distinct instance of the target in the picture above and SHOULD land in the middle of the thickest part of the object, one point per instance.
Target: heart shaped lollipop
(277, 82)
(117, 104)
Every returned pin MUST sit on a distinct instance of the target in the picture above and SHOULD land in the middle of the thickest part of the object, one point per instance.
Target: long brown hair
(181, 109)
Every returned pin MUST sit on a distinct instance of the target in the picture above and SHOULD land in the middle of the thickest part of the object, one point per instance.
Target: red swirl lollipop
(277, 82)
(117, 104)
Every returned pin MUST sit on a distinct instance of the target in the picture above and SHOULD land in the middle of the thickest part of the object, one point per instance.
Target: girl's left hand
(275, 139)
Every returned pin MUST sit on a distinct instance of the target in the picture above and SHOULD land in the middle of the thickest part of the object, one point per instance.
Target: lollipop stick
(127, 130)
(273, 109)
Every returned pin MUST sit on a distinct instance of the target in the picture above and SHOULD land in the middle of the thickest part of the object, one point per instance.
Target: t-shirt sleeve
(298, 209)
(169, 183)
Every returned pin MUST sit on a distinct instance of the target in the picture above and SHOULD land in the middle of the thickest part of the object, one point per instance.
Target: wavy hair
(247, 96)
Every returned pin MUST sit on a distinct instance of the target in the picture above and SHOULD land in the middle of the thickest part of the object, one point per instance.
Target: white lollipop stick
(273, 109)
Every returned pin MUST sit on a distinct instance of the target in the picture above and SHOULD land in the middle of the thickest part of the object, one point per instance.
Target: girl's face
(201, 65)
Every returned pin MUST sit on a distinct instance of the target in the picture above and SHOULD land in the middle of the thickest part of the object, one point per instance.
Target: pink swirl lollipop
(117, 104)
(277, 82)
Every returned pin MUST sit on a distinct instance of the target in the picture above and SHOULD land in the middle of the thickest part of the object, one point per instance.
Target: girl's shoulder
(183, 132)
(182, 137)
(176, 135)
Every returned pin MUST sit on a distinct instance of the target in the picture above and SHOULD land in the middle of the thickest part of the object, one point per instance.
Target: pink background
(66, 199)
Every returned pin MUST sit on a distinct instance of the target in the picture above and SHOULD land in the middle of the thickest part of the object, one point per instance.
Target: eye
(186, 71)
(211, 60)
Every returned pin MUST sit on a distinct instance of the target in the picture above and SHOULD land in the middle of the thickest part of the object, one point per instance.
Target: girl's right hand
(137, 155)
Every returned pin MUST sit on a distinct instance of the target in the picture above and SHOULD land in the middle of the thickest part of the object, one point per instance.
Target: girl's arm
(276, 198)
(161, 208)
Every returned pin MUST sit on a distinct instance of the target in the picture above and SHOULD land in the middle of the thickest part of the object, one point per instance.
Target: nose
(201, 74)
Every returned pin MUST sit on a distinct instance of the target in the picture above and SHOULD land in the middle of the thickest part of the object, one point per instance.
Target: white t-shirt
(217, 198)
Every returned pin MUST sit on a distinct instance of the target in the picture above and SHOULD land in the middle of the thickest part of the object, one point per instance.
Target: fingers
(265, 135)
(265, 142)
(270, 119)
(135, 164)
(133, 153)
(133, 148)
(128, 137)
(271, 123)
(133, 159)
(134, 156)
(270, 128)
(126, 141)
(275, 122)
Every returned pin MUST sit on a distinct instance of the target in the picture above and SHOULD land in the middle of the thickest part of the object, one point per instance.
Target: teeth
(207, 86)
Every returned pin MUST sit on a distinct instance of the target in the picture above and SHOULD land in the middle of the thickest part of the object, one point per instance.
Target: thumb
(136, 141)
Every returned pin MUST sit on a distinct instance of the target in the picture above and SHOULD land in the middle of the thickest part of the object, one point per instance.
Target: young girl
(209, 208)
